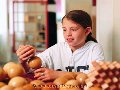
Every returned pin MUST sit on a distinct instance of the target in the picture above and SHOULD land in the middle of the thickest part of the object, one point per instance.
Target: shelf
(30, 24)
(42, 41)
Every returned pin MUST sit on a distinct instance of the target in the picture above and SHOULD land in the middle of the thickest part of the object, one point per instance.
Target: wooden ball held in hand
(35, 62)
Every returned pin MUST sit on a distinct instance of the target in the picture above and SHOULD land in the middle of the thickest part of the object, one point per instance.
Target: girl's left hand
(45, 74)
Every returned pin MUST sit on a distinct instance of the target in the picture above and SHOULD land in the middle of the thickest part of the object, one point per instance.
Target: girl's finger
(40, 70)
(26, 58)
(45, 79)
(42, 77)
(28, 53)
(24, 50)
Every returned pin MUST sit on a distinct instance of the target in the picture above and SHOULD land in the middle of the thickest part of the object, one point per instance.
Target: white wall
(108, 27)
(60, 14)
(104, 29)
(79, 4)
(4, 35)
(116, 31)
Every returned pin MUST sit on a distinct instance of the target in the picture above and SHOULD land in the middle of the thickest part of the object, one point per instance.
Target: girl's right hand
(25, 52)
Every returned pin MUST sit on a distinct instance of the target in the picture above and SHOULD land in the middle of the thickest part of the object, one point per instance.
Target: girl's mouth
(70, 39)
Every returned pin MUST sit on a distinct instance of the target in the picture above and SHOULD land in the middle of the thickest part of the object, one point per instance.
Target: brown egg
(3, 75)
(64, 87)
(29, 87)
(15, 70)
(35, 62)
(95, 88)
(2, 84)
(8, 65)
(60, 81)
(7, 87)
(19, 88)
(37, 83)
(17, 81)
(49, 86)
(81, 78)
(72, 83)
(70, 75)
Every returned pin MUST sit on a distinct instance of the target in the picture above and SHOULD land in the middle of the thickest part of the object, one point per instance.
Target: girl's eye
(64, 30)
(74, 29)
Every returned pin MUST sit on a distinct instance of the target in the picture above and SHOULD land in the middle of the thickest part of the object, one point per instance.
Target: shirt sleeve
(98, 53)
(46, 57)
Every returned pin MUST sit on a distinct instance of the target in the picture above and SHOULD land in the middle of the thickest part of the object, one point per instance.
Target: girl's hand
(45, 74)
(25, 52)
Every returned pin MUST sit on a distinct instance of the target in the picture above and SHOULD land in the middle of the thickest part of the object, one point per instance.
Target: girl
(74, 55)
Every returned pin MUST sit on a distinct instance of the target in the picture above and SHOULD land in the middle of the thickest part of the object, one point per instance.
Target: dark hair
(83, 18)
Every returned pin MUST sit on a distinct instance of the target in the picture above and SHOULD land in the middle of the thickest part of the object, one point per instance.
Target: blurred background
(38, 23)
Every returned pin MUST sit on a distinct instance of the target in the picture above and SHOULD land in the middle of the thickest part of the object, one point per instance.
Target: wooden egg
(17, 81)
(60, 81)
(81, 78)
(50, 86)
(37, 83)
(30, 87)
(8, 65)
(35, 62)
(15, 70)
(70, 75)
(64, 87)
(72, 83)
(2, 84)
(19, 88)
(94, 88)
(7, 87)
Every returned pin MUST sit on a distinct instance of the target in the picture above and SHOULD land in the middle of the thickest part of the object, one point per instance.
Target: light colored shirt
(60, 57)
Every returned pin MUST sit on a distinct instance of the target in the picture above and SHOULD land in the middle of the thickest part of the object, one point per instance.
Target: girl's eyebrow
(63, 27)
(75, 27)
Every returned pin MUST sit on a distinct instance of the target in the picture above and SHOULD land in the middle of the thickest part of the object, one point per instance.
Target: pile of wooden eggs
(103, 76)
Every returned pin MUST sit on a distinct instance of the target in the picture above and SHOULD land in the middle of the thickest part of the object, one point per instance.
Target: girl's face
(74, 34)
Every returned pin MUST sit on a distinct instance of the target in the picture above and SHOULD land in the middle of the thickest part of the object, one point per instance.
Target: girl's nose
(68, 33)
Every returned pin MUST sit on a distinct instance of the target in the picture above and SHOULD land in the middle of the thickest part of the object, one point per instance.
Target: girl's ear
(88, 30)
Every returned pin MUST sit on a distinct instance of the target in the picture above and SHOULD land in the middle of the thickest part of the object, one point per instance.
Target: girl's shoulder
(92, 44)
